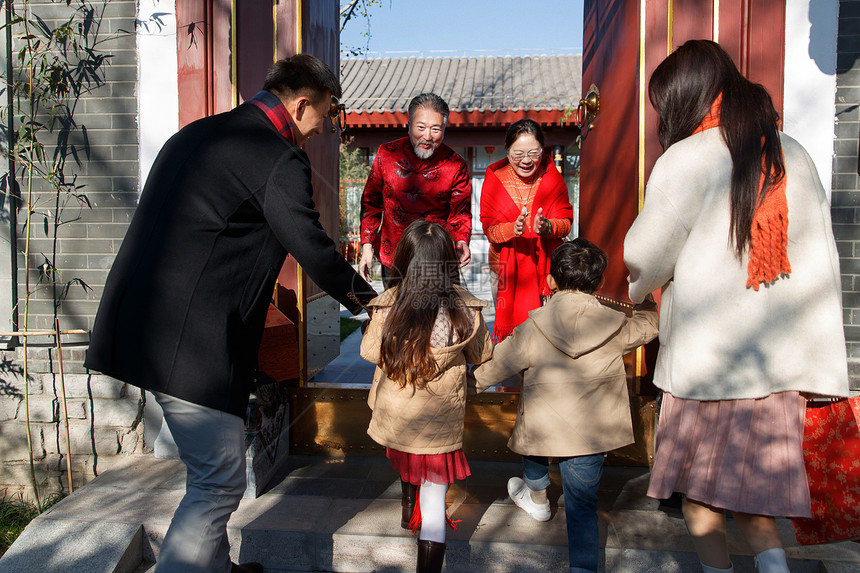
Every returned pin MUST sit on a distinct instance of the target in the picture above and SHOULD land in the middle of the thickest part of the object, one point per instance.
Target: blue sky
(468, 28)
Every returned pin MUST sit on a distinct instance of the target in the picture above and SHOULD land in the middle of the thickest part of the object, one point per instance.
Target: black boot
(407, 502)
(431, 554)
(252, 567)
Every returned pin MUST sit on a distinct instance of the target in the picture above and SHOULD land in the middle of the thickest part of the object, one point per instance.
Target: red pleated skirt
(741, 455)
(436, 468)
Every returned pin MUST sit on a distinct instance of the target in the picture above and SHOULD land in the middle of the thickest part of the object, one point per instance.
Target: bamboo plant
(51, 66)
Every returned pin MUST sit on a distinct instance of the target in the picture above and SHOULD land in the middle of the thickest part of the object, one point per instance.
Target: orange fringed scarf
(768, 252)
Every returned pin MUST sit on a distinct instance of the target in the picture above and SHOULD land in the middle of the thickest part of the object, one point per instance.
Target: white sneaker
(520, 494)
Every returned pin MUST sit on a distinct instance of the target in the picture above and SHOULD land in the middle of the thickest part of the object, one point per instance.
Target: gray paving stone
(343, 515)
(81, 546)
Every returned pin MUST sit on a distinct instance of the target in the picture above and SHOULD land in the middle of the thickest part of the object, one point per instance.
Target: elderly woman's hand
(541, 225)
(520, 223)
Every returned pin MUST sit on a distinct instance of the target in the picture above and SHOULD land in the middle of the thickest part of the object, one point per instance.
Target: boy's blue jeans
(580, 478)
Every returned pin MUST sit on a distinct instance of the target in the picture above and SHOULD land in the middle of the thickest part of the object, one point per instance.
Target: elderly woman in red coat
(525, 213)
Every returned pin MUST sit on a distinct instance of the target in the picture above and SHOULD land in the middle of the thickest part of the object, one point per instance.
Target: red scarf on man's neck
(524, 260)
(768, 252)
(274, 109)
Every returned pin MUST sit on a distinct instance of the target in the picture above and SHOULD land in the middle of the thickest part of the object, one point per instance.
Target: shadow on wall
(822, 16)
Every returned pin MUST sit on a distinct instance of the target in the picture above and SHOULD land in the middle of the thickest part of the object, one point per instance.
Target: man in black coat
(184, 306)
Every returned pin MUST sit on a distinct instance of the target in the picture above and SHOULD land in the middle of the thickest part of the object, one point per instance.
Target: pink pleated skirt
(436, 468)
(741, 455)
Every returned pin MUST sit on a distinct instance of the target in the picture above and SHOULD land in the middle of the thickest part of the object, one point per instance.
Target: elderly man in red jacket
(415, 177)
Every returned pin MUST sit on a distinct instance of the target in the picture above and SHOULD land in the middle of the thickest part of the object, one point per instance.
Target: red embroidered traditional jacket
(406, 188)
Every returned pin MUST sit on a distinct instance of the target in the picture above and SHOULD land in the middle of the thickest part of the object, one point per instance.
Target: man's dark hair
(301, 75)
(578, 265)
(432, 101)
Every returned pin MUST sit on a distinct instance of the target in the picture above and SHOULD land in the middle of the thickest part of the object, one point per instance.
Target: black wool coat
(185, 302)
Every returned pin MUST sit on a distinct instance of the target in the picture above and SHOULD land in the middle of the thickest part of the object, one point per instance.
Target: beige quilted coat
(428, 420)
(574, 398)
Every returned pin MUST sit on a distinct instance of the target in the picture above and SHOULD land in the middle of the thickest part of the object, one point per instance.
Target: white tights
(432, 502)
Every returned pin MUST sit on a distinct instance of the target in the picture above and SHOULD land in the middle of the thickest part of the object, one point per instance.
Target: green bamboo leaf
(83, 199)
(46, 30)
(79, 282)
(4, 183)
(13, 22)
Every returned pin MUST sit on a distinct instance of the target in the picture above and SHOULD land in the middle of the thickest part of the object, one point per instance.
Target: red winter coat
(524, 260)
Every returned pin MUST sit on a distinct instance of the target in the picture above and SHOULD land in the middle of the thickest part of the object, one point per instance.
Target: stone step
(343, 514)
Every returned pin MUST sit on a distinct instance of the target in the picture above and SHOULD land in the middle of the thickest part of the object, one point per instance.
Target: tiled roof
(468, 84)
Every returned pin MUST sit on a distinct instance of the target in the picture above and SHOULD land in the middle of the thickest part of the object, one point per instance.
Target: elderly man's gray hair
(432, 101)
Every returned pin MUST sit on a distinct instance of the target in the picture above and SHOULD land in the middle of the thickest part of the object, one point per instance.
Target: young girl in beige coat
(423, 331)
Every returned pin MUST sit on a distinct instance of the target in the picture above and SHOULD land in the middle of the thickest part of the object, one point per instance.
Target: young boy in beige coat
(573, 404)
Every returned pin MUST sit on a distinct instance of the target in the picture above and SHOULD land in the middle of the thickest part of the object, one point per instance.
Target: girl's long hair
(424, 270)
(682, 89)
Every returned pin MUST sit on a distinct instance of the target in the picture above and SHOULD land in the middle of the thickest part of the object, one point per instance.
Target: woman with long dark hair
(424, 330)
(736, 232)
(525, 213)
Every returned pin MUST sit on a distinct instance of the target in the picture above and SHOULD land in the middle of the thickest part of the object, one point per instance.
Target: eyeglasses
(337, 113)
(518, 156)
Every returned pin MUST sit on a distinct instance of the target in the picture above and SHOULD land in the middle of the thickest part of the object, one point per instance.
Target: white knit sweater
(718, 338)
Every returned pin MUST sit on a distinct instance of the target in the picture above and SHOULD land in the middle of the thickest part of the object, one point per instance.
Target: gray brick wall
(108, 176)
(104, 414)
(104, 418)
(846, 181)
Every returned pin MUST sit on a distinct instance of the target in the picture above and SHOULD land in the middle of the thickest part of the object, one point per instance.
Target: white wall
(158, 117)
(810, 79)
(158, 91)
